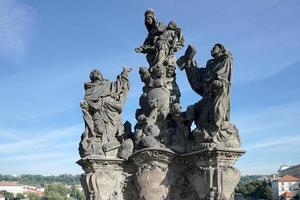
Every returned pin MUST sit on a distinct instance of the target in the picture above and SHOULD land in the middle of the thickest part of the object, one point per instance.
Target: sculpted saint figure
(102, 106)
(162, 41)
(212, 113)
(160, 46)
(160, 98)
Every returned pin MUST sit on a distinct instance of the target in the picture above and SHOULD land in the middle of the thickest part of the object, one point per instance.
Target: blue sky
(48, 48)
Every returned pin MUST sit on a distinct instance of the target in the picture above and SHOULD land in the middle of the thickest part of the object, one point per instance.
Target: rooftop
(287, 195)
(8, 184)
(287, 178)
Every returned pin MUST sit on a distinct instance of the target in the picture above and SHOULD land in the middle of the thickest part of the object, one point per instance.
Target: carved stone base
(107, 179)
(160, 174)
(152, 177)
(207, 174)
(211, 173)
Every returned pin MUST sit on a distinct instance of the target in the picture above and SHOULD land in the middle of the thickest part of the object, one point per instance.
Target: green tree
(52, 195)
(297, 196)
(81, 196)
(19, 196)
(33, 196)
(38, 180)
(56, 192)
(265, 191)
(7, 195)
(256, 189)
(74, 191)
(76, 194)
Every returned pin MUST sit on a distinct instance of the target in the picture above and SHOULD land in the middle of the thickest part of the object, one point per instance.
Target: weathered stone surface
(105, 138)
(163, 159)
(211, 172)
(152, 174)
(212, 113)
(160, 98)
(102, 106)
(155, 173)
(107, 178)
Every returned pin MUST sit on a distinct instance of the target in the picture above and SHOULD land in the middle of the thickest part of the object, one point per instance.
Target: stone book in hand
(190, 53)
(188, 56)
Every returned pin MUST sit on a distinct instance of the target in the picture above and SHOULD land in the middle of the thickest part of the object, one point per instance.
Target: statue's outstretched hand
(139, 50)
(84, 104)
(126, 71)
(144, 49)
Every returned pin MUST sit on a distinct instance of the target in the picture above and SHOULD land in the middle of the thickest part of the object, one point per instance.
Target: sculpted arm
(194, 74)
(121, 85)
(146, 48)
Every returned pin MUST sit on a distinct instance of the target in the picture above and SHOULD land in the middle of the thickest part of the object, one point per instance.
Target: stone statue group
(161, 123)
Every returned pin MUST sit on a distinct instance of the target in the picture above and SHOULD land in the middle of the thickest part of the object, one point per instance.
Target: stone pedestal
(107, 178)
(211, 173)
(152, 175)
(160, 174)
(206, 174)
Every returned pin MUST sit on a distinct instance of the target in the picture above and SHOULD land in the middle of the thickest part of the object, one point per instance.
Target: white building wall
(278, 188)
(12, 189)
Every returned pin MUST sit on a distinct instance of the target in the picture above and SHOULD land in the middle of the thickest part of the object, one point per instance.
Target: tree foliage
(39, 180)
(56, 192)
(60, 192)
(32, 196)
(297, 196)
(19, 196)
(76, 194)
(256, 189)
(7, 195)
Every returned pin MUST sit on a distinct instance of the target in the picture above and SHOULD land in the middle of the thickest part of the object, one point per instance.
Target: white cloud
(40, 140)
(39, 156)
(258, 169)
(11, 135)
(41, 151)
(16, 23)
(270, 120)
(270, 136)
(287, 140)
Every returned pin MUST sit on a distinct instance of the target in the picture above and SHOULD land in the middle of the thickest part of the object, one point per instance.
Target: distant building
(15, 188)
(287, 195)
(11, 187)
(292, 171)
(285, 187)
(31, 189)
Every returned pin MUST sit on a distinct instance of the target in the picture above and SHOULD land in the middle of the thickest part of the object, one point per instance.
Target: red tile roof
(287, 195)
(287, 178)
(8, 184)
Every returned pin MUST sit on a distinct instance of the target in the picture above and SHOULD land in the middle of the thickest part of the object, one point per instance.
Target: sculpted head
(172, 25)
(149, 17)
(217, 50)
(96, 75)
